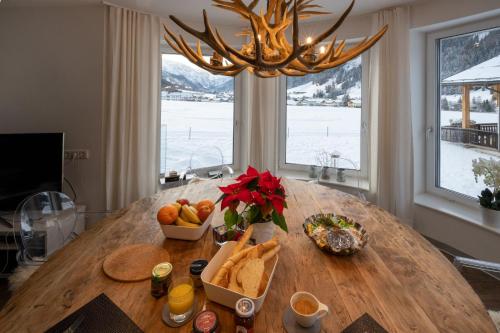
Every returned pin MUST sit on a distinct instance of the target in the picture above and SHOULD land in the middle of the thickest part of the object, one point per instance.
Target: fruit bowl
(186, 233)
(184, 219)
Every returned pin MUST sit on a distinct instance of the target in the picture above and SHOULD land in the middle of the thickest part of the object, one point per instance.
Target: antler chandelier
(268, 52)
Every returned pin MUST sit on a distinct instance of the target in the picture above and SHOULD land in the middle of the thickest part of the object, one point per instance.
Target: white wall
(51, 80)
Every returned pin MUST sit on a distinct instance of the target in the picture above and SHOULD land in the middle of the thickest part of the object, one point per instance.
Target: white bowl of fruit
(184, 219)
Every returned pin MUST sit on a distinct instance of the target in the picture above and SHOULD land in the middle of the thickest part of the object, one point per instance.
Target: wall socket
(77, 154)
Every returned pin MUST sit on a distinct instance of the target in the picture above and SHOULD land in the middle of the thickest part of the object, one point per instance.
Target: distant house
(354, 103)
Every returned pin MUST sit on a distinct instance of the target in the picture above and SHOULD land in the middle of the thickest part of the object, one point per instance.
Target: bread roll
(250, 276)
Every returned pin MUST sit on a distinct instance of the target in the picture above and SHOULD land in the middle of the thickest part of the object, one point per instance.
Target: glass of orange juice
(181, 299)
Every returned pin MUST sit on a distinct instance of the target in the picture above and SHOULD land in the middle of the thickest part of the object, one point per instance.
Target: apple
(183, 202)
(204, 212)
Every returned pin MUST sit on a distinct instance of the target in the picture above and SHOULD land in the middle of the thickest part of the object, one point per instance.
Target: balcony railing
(483, 135)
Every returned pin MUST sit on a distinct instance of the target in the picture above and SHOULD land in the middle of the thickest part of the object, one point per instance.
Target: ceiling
(190, 10)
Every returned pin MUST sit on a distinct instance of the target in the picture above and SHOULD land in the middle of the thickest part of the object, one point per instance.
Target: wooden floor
(4, 292)
(487, 287)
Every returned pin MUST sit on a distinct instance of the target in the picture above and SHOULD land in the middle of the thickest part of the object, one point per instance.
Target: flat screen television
(29, 163)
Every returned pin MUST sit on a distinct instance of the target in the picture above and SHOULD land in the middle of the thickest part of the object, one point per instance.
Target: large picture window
(324, 118)
(197, 117)
(468, 75)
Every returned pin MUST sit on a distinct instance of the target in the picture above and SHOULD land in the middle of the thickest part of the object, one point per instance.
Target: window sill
(351, 182)
(465, 213)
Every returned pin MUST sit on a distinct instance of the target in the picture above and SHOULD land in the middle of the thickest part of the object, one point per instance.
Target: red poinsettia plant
(263, 197)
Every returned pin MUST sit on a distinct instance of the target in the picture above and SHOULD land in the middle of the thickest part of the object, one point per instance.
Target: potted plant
(489, 199)
(263, 197)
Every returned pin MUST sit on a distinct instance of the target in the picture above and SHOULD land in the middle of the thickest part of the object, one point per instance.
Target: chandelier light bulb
(322, 50)
(309, 40)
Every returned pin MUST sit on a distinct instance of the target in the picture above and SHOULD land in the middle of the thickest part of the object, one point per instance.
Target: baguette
(243, 240)
(271, 253)
(224, 270)
(226, 267)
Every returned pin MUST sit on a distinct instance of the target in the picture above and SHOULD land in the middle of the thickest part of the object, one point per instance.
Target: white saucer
(291, 325)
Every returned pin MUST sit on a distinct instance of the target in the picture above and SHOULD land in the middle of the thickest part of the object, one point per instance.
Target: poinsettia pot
(490, 216)
(263, 231)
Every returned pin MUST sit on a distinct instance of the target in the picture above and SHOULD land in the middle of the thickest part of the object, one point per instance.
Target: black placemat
(365, 324)
(99, 315)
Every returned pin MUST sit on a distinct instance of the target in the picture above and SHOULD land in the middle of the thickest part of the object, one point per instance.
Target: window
(197, 117)
(324, 116)
(467, 63)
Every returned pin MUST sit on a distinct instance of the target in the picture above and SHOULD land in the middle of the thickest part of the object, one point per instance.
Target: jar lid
(162, 270)
(205, 322)
(198, 266)
(245, 307)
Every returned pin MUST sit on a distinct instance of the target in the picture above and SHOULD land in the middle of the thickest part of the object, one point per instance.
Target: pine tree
(444, 104)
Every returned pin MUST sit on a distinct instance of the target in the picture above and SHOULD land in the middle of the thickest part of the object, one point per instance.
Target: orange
(207, 203)
(167, 214)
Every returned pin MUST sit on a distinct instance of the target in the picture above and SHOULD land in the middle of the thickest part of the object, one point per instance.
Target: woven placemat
(99, 315)
(133, 263)
(365, 324)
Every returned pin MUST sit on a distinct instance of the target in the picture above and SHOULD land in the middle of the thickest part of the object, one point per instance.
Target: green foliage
(279, 220)
(489, 199)
(231, 218)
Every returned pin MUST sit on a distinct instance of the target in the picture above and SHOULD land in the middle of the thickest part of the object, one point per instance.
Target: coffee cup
(307, 309)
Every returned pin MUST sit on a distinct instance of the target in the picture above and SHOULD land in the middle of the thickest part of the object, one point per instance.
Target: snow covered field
(478, 117)
(456, 159)
(211, 126)
(310, 130)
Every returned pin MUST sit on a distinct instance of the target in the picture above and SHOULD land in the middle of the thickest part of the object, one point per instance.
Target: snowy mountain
(177, 75)
(331, 84)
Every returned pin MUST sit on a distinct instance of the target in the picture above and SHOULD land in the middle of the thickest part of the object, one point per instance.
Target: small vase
(490, 216)
(262, 232)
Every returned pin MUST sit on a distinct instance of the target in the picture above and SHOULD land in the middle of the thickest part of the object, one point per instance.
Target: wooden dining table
(399, 278)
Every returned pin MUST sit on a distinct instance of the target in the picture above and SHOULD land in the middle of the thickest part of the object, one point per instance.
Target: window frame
(237, 114)
(432, 104)
(364, 127)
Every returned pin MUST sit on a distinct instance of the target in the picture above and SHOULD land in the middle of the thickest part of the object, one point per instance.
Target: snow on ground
(456, 159)
(310, 130)
(212, 123)
(211, 126)
(478, 117)
(456, 167)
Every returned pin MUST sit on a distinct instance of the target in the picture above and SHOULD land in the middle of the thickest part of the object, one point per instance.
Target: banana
(177, 205)
(188, 215)
(182, 223)
(193, 208)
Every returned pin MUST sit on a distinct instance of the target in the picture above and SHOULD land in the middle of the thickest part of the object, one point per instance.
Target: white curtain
(390, 115)
(131, 105)
(263, 120)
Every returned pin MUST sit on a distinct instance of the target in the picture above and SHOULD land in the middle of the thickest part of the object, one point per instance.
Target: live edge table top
(399, 278)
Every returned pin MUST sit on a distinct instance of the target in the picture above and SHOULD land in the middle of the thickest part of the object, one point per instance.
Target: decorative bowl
(336, 234)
